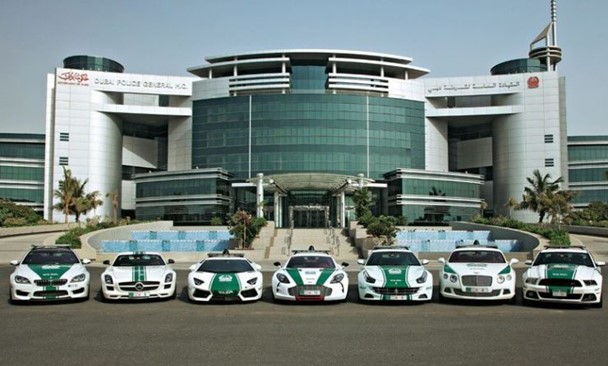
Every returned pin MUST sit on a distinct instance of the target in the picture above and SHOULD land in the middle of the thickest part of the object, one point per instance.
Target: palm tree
(512, 204)
(114, 195)
(79, 204)
(65, 193)
(539, 184)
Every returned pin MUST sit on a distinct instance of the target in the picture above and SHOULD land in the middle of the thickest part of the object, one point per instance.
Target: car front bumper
(32, 292)
(328, 292)
(574, 295)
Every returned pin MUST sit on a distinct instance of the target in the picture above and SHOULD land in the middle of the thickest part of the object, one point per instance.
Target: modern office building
(588, 169)
(291, 134)
(22, 169)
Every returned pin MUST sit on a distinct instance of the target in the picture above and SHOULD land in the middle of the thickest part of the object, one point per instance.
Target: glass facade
(518, 66)
(22, 169)
(92, 63)
(588, 169)
(308, 133)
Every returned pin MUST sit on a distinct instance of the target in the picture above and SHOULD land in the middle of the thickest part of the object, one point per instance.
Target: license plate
(560, 293)
(138, 295)
(310, 293)
(397, 297)
(478, 289)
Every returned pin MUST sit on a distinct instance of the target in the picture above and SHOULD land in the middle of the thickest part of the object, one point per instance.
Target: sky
(450, 38)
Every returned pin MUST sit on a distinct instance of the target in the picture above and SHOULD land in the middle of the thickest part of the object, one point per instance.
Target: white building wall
(139, 152)
(436, 145)
(180, 144)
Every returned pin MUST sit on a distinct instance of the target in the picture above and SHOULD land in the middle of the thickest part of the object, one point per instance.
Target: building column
(277, 209)
(259, 196)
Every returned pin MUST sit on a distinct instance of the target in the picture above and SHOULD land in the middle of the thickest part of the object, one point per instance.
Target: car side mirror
(528, 262)
(361, 261)
(192, 267)
(600, 264)
(258, 267)
(514, 261)
(106, 262)
(14, 263)
(344, 264)
(277, 264)
(171, 261)
(441, 260)
(85, 261)
(424, 262)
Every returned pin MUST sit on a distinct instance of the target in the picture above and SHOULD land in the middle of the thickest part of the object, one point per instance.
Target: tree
(245, 227)
(383, 229)
(512, 204)
(65, 193)
(539, 184)
(114, 195)
(362, 198)
(557, 206)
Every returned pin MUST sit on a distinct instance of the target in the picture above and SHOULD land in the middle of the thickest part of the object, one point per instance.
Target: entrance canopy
(334, 183)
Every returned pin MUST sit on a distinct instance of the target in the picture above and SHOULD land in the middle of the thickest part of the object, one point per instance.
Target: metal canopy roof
(335, 183)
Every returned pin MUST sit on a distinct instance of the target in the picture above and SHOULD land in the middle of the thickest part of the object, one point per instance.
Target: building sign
(475, 87)
(73, 78)
(146, 84)
(533, 82)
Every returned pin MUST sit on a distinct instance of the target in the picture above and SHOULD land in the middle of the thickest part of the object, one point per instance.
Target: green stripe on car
(224, 284)
(139, 273)
(561, 271)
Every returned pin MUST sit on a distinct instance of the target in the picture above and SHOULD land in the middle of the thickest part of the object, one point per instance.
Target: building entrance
(311, 216)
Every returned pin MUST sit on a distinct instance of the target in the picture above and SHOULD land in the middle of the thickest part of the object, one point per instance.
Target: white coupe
(49, 273)
(310, 275)
(225, 277)
(563, 275)
(392, 273)
(138, 275)
(477, 272)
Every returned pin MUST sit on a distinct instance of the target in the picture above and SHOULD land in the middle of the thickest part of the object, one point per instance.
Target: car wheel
(442, 299)
(102, 297)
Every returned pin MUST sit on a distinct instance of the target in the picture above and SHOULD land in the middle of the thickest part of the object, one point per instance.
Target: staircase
(332, 240)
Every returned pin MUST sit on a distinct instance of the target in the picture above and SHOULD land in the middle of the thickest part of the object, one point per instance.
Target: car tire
(102, 297)
(442, 299)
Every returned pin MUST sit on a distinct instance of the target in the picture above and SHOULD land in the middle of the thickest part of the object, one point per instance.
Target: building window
(549, 162)
(63, 160)
(548, 139)
(64, 136)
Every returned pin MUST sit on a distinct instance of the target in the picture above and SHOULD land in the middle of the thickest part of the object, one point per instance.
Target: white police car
(563, 275)
(394, 274)
(477, 272)
(310, 275)
(225, 277)
(49, 273)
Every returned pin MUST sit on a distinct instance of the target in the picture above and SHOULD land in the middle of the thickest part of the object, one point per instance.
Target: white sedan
(225, 277)
(563, 275)
(310, 275)
(49, 273)
(477, 272)
(138, 275)
(396, 274)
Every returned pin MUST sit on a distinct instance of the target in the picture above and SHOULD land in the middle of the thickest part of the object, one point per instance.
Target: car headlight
(422, 279)
(169, 277)
(531, 280)
(282, 278)
(500, 279)
(108, 279)
(453, 278)
(198, 282)
(590, 283)
(81, 277)
(253, 281)
(22, 280)
(338, 278)
(368, 278)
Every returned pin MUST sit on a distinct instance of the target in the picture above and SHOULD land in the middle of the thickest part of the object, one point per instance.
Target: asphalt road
(263, 333)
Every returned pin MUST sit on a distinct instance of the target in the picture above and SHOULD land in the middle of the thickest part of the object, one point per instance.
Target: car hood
(139, 273)
(49, 271)
(487, 269)
(562, 271)
(400, 276)
(310, 276)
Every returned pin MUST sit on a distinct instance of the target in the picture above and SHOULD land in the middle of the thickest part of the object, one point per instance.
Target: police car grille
(396, 290)
(147, 286)
(477, 294)
(477, 280)
(559, 282)
(57, 282)
(50, 293)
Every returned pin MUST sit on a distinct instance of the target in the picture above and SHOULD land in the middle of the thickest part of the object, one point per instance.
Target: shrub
(216, 221)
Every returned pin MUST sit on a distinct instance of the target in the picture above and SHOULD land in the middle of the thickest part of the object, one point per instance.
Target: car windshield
(477, 256)
(131, 260)
(310, 261)
(393, 259)
(225, 266)
(50, 257)
(581, 259)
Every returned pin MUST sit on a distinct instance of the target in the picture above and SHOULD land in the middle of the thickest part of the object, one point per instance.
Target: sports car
(225, 277)
(310, 275)
(49, 273)
(138, 275)
(563, 275)
(394, 273)
(477, 272)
